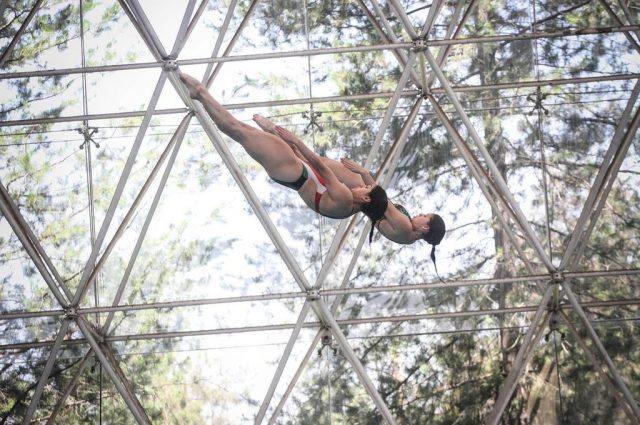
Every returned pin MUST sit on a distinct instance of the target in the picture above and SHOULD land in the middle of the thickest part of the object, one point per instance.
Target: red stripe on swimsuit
(320, 184)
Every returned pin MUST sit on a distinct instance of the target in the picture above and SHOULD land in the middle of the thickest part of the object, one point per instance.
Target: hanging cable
(540, 108)
(555, 346)
(88, 133)
(312, 118)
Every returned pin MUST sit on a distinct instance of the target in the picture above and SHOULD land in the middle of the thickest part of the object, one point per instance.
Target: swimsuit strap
(403, 210)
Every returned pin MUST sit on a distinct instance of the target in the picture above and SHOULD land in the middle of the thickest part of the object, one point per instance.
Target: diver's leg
(273, 153)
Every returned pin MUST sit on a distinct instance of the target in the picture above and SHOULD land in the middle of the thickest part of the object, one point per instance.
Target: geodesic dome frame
(424, 84)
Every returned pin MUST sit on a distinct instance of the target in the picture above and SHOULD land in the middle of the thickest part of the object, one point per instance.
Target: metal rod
(181, 37)
(530, 340)
(390, 162)
(283, 362)
(44, 377)
(116, 375)
(71, 386)
(233, 41)
(12, 44)
(196, 18)
(219, 39)
(176, 142)
(92, 117)
(141, 30)
(347, 274)
(294, 380)
(403, 18)
(30, 243)
(351, 356)
(598, 367)
(82, 286)
(148, 31)
(615, 17)
(316, 52)
(342, 290)
(434, 10)
(329, 99)
(603, 351)
(389, 35)
(391, 107)
(483, 181)
(497, 176)
(602, 183)
(289, 326)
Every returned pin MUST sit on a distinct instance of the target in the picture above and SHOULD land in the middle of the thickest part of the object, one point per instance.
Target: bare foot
(265, 124)
(194, 86)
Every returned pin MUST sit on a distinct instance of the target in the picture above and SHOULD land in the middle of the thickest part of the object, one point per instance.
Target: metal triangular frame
(554, 281)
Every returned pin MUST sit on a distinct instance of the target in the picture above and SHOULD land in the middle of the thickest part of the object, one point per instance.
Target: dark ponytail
(375, 208)
(436, 232)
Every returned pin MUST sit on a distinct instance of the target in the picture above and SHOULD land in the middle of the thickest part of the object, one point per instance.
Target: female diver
(397, 224)
(309, 175)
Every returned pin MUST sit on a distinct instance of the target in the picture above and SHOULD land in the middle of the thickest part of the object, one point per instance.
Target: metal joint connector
(557, 277)
(170, 64)
(425, 93)
(418, 45)
(70, 314)
(313, 295)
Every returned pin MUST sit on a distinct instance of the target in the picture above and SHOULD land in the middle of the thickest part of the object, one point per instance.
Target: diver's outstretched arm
(351, 165)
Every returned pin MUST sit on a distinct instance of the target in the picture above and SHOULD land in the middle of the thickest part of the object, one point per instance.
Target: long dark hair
(436, 232)
(375, 208)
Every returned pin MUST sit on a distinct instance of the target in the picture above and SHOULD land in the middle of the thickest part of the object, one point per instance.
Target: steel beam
(232, 42)
(484, 182)
(434, 11)
(223, 31)
(283, 362)
(633, 404)
(329, 99)
(617, 19)
(341, 322)
(350, 355)
(31, 245)
(323, 51)
(175, 142)
(71, 386)
(342, 290)
(603, 182)
(403, 18)
(497, 176)
(110, 366)
(598, 367)
(181, 37)
(118, 192)
(522, 358)
(296, 376)
(148, 33)
(44, 377)
(12, 44)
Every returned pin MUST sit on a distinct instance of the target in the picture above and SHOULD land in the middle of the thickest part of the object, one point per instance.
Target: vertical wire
(311, 116)
(555, 345)
(89, 170)
(543, 164)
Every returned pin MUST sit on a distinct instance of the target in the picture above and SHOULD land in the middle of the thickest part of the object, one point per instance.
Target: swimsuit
(307, 171)
(403, 210)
